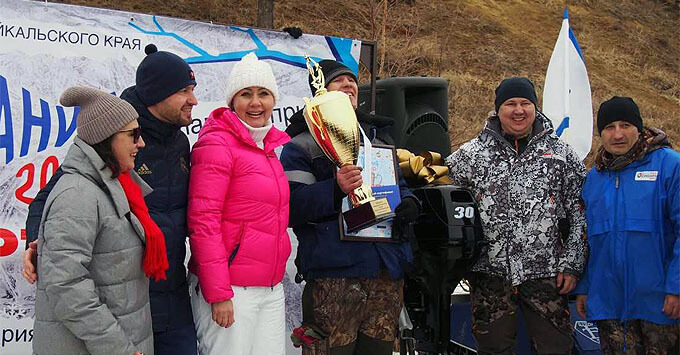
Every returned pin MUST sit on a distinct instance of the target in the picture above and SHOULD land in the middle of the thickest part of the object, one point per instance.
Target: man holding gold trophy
(353, 294)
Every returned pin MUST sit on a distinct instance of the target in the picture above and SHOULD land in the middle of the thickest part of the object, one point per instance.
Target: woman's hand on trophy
(223, 313)
(349, 178)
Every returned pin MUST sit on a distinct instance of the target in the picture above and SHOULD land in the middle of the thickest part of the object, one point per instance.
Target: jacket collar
(650, 140)
(151, 126)
(297, 124)
(225, 119)
(541, 127)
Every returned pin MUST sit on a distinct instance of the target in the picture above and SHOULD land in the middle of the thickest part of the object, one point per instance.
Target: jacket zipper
(619, 247)
(515, 151)
(278, 224)
(507, 144)
(167, 191)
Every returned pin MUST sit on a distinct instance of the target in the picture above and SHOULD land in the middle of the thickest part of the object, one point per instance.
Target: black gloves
(294, 32)
(406, 213)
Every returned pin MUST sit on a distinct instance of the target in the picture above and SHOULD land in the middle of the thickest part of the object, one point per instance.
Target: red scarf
(155, 258)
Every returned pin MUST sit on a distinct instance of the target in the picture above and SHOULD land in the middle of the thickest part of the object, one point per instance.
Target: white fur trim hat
(248, 72)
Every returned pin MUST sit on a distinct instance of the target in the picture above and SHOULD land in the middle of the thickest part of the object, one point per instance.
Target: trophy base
(367, 214)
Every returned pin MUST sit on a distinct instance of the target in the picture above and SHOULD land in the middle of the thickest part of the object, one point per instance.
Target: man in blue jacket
(631, 286)
(354, 289)
(163, 97)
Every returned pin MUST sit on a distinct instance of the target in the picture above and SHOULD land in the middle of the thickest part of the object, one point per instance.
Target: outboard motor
(448, 240)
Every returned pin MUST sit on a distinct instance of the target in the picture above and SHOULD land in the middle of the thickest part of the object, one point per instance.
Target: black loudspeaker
(419, 106)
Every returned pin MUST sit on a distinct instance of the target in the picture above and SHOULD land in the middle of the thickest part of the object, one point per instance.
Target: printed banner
(45, 48)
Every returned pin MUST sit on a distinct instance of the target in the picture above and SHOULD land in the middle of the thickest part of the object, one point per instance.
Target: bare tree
(265, 13)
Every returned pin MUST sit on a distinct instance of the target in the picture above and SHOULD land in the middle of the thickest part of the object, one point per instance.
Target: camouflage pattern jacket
(521, 198)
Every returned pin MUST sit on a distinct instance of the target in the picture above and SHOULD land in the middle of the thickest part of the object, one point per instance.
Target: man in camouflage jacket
(525, 181)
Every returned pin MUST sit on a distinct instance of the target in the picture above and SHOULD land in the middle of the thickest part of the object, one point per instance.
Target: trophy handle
(316, 121)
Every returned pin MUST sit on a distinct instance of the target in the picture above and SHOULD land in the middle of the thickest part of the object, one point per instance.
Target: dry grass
(632, 47)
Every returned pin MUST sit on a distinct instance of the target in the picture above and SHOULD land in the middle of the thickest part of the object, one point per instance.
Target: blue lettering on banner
(64, 134)
(31, 120)
(6, 140)
(43, 121)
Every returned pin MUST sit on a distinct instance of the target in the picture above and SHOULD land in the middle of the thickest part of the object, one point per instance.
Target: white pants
(259, 322)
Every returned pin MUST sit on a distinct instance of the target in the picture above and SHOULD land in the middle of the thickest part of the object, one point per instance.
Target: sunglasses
(136, 133)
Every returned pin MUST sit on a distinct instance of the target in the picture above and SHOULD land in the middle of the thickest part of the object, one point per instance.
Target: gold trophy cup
(333, 124)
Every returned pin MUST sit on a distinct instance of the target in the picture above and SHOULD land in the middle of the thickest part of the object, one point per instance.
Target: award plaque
(384, 183)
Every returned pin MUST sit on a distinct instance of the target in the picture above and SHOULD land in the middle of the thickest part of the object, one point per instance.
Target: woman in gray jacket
(96, 240)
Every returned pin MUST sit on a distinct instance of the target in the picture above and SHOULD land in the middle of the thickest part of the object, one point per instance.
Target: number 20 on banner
(10, 242)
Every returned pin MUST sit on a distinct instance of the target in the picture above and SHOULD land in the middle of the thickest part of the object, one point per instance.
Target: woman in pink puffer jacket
(237, 216)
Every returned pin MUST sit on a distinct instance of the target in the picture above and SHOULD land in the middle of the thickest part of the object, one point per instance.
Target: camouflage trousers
(343, 308)
(638, 337)
(494, 318)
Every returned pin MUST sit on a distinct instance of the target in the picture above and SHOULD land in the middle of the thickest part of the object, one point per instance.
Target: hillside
(631, 47)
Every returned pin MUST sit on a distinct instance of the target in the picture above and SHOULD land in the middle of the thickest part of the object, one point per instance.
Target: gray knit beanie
(101, 114)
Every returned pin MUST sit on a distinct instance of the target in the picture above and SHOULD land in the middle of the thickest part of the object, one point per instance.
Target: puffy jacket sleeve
(65, 255)
(35, 209)
(572, 260)
(673, 207)
(211, 166)
(310, 200)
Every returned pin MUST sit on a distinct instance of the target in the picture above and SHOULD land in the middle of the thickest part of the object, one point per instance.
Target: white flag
(567, 99)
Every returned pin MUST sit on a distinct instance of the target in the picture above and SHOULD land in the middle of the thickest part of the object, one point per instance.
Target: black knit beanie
(160, 75)
(618, 109)
(331, 69)
(515, 87)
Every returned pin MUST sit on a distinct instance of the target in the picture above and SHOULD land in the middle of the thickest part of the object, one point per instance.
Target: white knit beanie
(251, 71)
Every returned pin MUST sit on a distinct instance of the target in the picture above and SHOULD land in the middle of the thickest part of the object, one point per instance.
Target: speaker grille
(427, 118)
